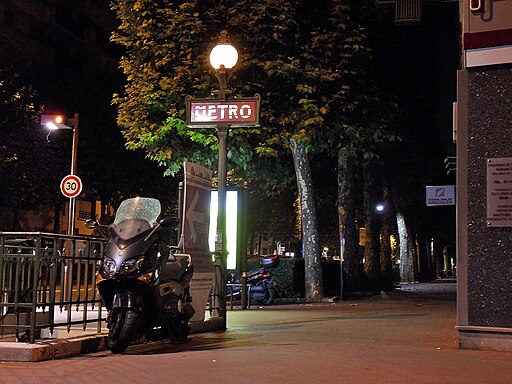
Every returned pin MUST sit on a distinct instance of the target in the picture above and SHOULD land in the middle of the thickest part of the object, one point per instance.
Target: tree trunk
(372, 268)
(386, 264)
(438, 258)
(349, 242)
(313, 267)
(421, 252)
(407, 252)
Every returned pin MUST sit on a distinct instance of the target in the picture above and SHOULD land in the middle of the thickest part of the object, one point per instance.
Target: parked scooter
(144, 286)
(259, 280)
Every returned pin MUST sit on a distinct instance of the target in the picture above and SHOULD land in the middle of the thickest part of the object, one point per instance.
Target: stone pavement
(404, 336)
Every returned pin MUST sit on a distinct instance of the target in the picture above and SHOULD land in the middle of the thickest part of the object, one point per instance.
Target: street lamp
(223, 57)
(55, 122)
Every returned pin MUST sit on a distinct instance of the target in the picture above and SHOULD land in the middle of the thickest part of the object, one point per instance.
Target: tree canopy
(20, 159)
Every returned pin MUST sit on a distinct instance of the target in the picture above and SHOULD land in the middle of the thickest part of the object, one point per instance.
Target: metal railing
(232, 288)
(47, 281)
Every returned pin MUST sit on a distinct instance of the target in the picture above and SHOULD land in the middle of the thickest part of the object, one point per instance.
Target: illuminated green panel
(231, 224)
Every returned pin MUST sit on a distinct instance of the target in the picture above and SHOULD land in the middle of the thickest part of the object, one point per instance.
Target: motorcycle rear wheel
(270, 296)
(122, 326)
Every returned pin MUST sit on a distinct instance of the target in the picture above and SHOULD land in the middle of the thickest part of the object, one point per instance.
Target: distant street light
(54, 122)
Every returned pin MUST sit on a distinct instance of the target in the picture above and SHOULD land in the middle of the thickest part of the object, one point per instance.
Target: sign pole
(72, 200)
(221, 243)
(70, 186)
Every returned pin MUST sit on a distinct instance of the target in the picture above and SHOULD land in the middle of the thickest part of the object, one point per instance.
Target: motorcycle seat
(174, 270)
(255, 272)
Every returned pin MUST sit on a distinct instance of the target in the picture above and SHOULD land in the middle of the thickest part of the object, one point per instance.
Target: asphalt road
(401, 337)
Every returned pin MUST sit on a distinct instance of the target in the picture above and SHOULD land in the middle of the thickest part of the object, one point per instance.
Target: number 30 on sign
(71, 186)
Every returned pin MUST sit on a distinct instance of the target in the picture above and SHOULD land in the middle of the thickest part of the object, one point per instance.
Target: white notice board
(499, 192)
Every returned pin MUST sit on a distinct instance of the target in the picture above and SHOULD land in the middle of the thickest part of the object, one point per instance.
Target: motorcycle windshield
(145, 208)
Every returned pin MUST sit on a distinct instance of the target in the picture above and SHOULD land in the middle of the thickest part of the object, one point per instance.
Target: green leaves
(312, 64)
(22, 156)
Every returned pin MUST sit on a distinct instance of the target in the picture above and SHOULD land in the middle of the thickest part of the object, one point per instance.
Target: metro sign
(209, 113)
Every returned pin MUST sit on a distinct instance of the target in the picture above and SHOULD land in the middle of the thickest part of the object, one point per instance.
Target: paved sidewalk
(63, 343)
(404, 336)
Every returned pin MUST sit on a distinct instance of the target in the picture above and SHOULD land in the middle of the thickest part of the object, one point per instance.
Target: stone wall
(489, 249)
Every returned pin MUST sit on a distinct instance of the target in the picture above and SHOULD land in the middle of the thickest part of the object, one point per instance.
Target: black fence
(47, 281)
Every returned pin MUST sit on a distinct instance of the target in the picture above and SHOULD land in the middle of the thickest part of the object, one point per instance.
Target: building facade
(484, 176)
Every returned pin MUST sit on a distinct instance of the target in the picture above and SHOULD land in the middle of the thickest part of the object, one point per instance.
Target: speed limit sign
(71, 186)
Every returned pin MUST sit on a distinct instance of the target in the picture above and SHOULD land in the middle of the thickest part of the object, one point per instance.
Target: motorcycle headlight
(109, 266)
(131, 265)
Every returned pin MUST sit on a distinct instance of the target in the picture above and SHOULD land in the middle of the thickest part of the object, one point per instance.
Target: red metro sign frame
(209, 113)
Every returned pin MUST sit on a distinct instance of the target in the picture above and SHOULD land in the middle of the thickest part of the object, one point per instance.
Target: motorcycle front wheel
(122, 326)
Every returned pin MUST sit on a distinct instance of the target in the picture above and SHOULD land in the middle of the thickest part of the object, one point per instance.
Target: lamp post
(222, 113)
(54, 122)
(223, 57)
(72, 201)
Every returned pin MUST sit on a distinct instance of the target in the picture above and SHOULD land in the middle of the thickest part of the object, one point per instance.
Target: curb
(66, 347)
(49, 350)
(302, 300)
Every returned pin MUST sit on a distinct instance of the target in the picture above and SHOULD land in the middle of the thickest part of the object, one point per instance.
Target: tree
(304, 58)
(282, 59)
(420, 62)
(21, 160)
(358, 126)
(346, 204)
(164, 62)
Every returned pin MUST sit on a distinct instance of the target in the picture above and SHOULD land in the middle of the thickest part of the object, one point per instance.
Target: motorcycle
(260, 283)
(142, 283)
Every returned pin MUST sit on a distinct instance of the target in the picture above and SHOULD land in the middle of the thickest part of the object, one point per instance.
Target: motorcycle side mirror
(94, 224)
(91, 224)
(168, 222)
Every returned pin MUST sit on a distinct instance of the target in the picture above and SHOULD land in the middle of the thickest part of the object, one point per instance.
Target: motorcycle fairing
(117, 294)
(119, 249)
(261, 287)
(130, 228)
(180, 270)
(171, 295)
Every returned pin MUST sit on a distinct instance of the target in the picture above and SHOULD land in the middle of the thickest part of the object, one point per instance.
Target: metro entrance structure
(222, 113)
